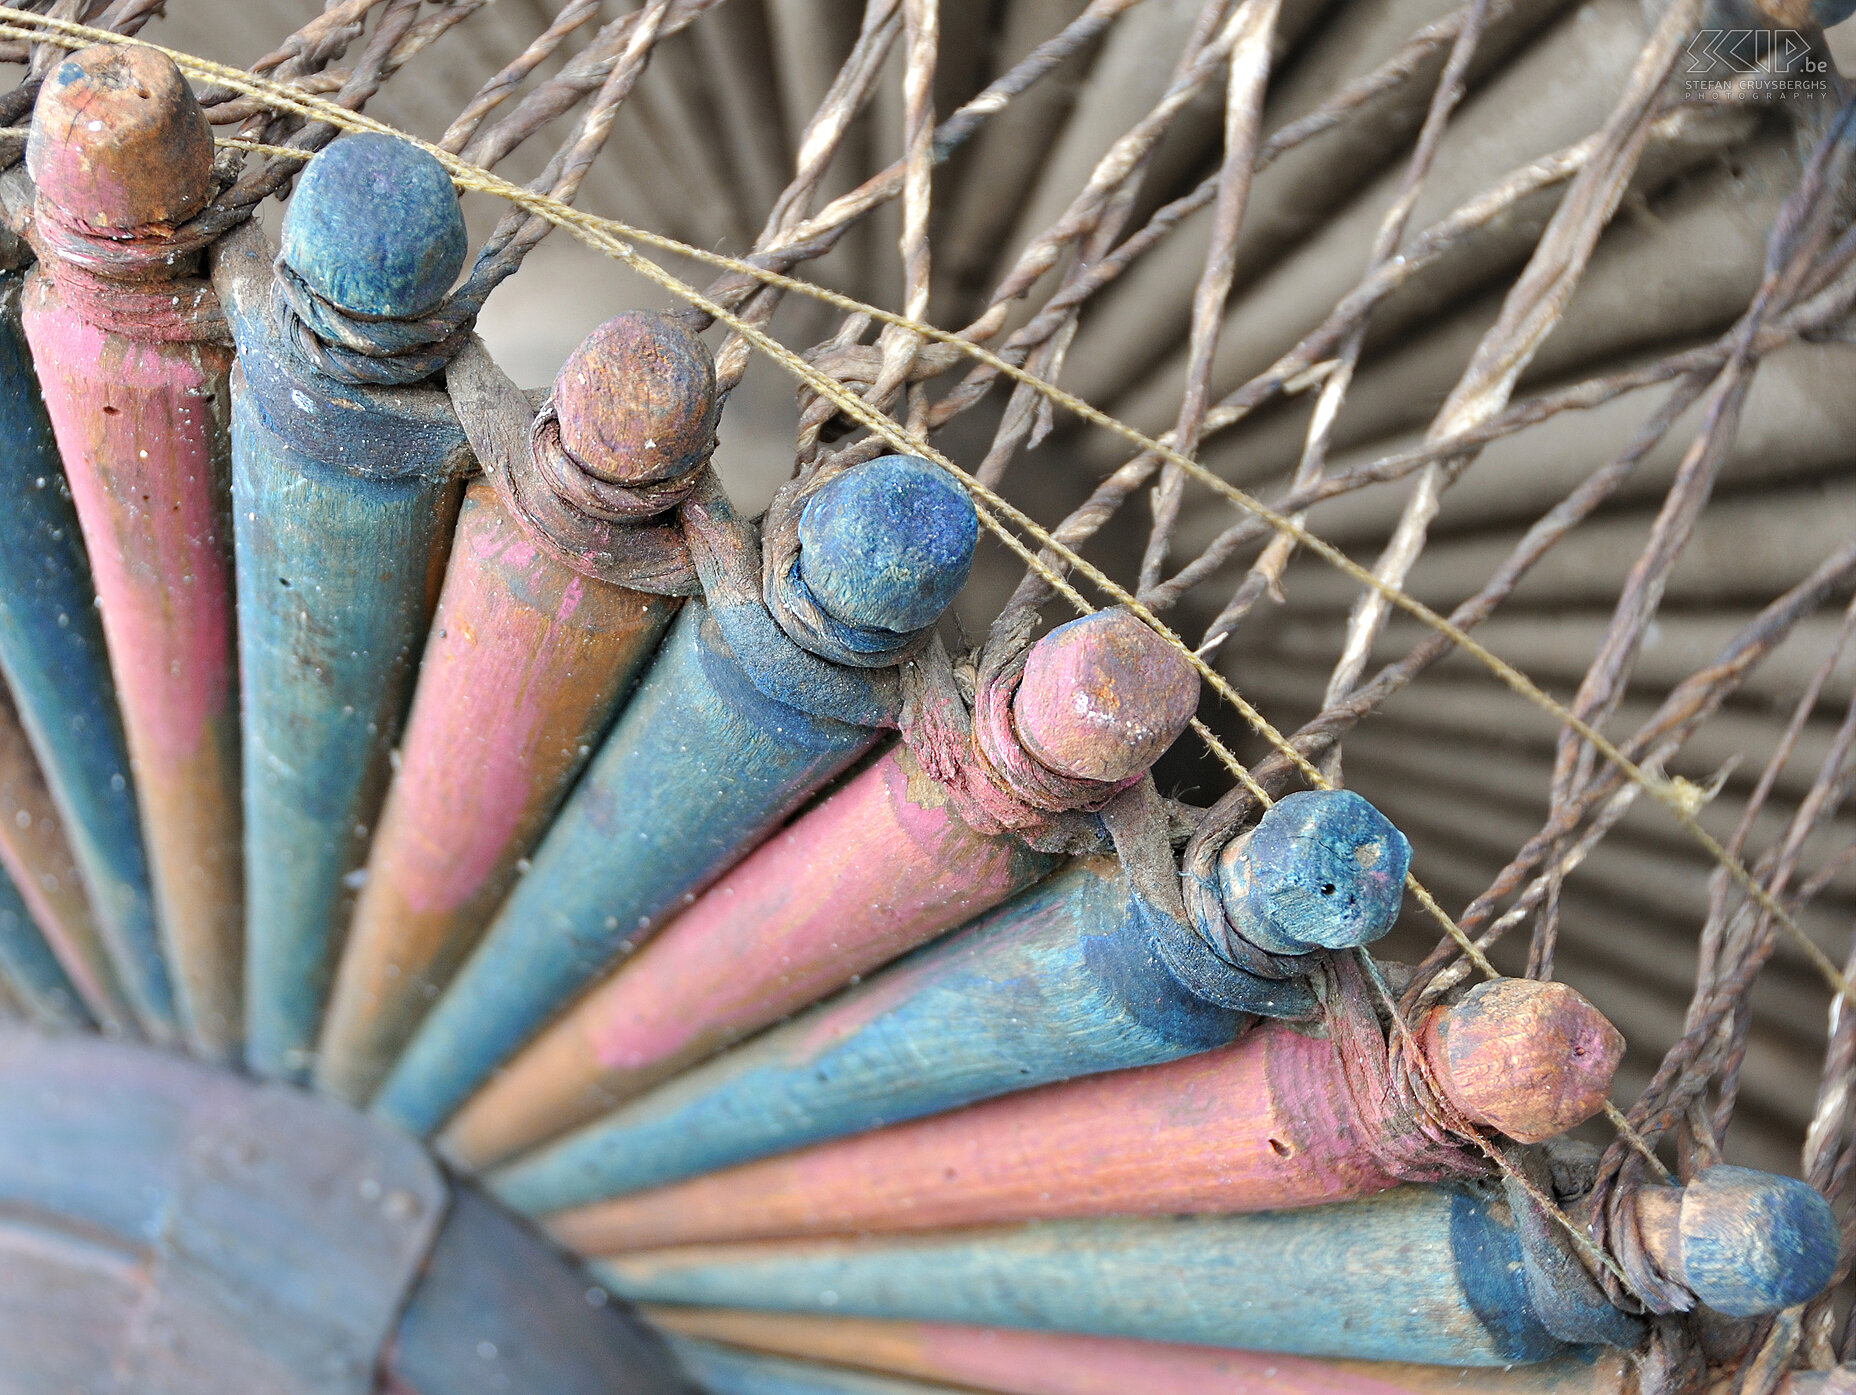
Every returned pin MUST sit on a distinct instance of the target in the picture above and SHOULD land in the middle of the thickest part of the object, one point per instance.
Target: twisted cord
(578, 487)
(625, 535)
(791, 602)
(1413, 1132)
(368, 349)
(973, 749)
(726, 552)
(1638, 1283)
(1205, 913)
(1686, 817)
(606, 235)
(128, 284)
(614, 239)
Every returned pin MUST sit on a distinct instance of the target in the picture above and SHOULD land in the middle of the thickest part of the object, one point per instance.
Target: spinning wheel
(471, 872)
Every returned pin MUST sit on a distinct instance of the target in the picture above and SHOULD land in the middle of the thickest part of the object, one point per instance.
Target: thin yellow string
(611, 237)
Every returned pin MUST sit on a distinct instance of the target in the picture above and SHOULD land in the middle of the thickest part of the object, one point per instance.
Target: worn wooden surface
(57, 670)
(753, 705)
(883, 865)
(141, 427)
(1060, 981)
(1425, 1274)
(1103, 697)
(1530, 1059)
(884, 547)
(332, 609)
(1274, 1121)
(135, 384)
(31, 970)
(723, 1370)
(525, 663)
(373, 227)
(1323, 869)
(175, 1229)
(529, 657)
(497, 1310)
(118, 140)
(1017, 1362)
(333, 581)
(697, 771)
(636, 400)
(43, 872)
(1746, 1243)
(166, 1228)
(879, 867)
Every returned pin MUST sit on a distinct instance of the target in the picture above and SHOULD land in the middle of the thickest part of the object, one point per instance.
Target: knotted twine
(383, 351)
(1615, 1225)
(966, 738)
(138, 283)
(368, 350)
(790, 601)
(1413, 1133)
(1209, 948)
(784, 657)
(573, 483)
(624, 535)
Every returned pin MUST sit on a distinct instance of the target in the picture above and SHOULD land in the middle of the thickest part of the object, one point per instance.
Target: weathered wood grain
(37, 980)
(141, 425)
(1061, 981)
(1323, 869)
(530, 655)
(879, 867)
(344, 498)
(332, 607)
(1279, 1119)
(57, 922)
(701, 767)
(140, 429)
(57, 670)
(525, 663)
(1425, 1274)
(883, 865)
(723, 1370)
(1016, 1362)
(1746, 1243)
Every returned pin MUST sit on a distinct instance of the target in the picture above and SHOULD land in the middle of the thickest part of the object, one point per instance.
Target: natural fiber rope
(1417, 1063)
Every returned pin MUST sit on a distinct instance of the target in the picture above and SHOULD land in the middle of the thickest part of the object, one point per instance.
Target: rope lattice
(895, 393)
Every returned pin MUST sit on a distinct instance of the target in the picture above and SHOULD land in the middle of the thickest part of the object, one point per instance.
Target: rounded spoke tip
(1526, 1058)
(886, 545)
(374, 227)
(1754, 1243)
(636, 400)
(1103, 697)
(1323, 869)
(118, 141)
